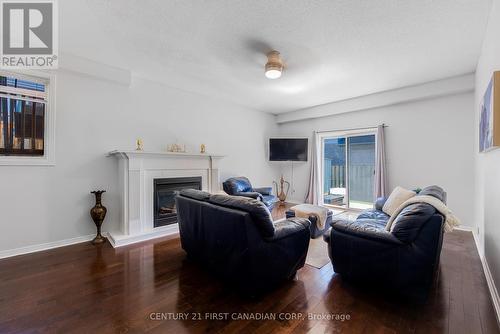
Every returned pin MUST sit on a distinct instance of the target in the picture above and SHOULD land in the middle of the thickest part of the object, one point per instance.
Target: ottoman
(313, 213)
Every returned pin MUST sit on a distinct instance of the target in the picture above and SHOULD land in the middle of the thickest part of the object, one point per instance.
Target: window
(25, 123)
(348, 168)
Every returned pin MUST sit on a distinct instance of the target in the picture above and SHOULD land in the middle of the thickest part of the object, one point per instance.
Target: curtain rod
(352, 129)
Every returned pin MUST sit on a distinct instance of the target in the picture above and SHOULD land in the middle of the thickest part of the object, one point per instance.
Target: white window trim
(332, 134)
(49, 156)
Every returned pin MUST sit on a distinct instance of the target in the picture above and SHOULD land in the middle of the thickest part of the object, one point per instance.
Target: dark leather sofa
(241, 186)
(235, 238)
(405, 259)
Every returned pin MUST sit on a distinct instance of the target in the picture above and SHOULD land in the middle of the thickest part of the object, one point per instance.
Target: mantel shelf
(164, 154)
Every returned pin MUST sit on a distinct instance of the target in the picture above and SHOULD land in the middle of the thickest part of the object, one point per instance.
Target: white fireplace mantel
(137, 172)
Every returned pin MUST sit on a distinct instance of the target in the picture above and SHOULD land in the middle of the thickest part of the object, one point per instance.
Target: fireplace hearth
(164, 197)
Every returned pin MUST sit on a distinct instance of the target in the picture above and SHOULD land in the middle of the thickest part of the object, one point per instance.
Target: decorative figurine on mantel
(203, 149)
(139, 145)
(177, 148)
(98, 213)
(281, 193)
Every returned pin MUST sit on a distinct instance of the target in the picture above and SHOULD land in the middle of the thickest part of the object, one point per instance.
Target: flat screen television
(288, 149)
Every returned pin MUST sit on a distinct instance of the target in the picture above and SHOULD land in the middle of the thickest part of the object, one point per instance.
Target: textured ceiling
(333, 49)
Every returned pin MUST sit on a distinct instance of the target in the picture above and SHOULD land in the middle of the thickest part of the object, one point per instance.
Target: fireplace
(164, 197)
(139, 205)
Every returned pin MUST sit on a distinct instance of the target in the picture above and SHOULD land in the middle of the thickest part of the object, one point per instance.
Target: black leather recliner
(241, 186)
(404, 259)
(236, 238)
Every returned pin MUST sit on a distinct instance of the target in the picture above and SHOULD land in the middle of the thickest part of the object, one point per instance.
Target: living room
(134, 101)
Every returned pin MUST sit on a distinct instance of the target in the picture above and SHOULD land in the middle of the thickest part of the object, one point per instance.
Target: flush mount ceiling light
(274, 65)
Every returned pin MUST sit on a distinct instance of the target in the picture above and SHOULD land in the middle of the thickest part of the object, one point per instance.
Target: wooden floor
(98, 289)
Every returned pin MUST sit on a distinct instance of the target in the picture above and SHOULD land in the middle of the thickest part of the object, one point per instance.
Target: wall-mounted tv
(288, 149)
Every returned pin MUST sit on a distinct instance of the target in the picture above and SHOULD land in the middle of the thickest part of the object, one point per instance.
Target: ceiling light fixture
(274, 65)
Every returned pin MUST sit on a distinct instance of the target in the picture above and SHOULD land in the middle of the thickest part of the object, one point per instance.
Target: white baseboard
(493, 289)
(45, 246)
(294, 201)
(465, 228)
(115, 239)
(487, 273)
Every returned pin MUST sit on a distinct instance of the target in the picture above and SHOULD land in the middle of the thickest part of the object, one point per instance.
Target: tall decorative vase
(98, 213)
(281, 192)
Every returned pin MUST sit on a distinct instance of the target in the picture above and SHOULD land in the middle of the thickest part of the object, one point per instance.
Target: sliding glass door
(348, 170)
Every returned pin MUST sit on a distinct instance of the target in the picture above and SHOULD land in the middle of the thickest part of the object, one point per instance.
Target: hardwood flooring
(135, 289)
(279, 210)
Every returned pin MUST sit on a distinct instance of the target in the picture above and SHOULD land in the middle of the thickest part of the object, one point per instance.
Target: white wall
(487, 211)
(427, 142)
(48, 204)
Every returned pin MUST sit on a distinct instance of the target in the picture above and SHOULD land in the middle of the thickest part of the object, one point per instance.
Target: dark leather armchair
(404, 259)
(236, 239)
(241, 186)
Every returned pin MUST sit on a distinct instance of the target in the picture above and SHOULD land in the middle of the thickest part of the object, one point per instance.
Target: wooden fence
(361, 180)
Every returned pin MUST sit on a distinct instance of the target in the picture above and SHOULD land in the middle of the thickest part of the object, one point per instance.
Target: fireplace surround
(137, 175)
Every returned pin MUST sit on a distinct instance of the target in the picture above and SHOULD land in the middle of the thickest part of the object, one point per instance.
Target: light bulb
(273, 74)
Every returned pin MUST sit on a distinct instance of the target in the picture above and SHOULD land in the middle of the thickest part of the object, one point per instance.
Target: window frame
(48, 158)
(335, 134)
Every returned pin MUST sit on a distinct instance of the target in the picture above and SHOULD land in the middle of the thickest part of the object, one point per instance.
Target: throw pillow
(398, 196)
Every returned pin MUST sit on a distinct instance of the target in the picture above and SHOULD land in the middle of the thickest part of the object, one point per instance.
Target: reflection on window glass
(22, 117)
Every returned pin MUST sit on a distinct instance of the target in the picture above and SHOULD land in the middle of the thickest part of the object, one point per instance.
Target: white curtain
(380, 167)
(313, 194)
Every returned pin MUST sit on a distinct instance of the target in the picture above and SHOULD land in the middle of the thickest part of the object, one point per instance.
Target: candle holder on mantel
(140, 144)
(98, 213)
